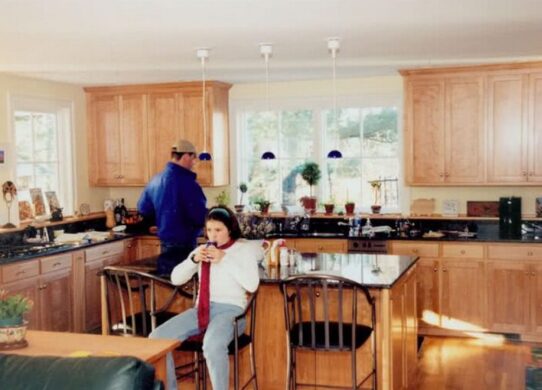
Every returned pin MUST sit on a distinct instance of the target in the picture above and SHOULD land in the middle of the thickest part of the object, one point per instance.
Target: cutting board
(422, 207)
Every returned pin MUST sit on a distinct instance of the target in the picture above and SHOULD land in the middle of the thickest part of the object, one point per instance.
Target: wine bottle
(123, 211)
(118, 213)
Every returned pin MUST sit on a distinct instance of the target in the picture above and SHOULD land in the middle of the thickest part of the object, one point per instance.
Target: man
(176, 202)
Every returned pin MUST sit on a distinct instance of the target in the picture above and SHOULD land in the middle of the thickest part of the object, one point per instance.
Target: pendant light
(203, 55)
(266, 49)
(333, 45)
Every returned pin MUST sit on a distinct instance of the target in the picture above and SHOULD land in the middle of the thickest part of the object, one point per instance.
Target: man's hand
(153, 230)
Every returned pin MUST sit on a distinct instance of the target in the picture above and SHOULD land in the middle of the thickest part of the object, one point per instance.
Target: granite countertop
(371, 270)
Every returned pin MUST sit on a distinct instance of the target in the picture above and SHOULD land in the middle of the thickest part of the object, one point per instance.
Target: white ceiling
(93, 42)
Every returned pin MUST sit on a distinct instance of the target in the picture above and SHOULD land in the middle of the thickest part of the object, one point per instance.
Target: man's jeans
(215, 342)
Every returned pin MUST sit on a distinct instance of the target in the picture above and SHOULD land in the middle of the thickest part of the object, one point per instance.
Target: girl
(227, 267)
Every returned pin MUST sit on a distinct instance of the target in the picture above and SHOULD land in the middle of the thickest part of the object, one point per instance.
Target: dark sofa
(89, 373)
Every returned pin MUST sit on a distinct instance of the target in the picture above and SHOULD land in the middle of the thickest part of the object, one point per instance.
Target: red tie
(204, 292)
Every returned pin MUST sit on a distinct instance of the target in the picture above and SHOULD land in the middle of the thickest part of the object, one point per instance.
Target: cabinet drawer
(515, 252)
(422, 249)
(104, 250)
(18, 271)
(320, 246)
(55, 263)
(463, 251)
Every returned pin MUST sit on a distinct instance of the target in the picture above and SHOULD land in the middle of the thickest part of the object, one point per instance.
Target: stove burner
(22, 250)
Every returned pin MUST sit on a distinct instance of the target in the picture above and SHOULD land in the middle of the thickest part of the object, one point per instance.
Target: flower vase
(12, 334)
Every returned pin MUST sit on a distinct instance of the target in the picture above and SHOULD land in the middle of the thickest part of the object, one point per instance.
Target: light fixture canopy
(266, 50)
(333, 45)
(203, 55)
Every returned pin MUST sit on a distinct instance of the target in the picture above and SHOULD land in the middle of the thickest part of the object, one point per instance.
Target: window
(42, 134)
(368, 138)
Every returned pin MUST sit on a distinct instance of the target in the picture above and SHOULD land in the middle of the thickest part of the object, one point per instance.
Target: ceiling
(102, 42)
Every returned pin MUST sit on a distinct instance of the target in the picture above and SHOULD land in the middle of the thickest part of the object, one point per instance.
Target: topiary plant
(310, 172)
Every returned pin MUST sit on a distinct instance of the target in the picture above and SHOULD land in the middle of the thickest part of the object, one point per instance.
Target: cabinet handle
(441, 174)
(446, 174)
(415, 251)
(57, 264)
(435, 269)
(531, 173)
(527, 273)
(42, 287)
(444, 270)
(530, 253)
(524, 173)
(533, 273)
(462, 252)
(20, 273)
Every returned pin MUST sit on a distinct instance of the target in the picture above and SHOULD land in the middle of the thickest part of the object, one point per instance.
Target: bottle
(118, 213)
(123, 210)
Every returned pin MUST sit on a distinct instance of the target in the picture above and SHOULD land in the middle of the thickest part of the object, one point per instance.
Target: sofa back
(61, 373)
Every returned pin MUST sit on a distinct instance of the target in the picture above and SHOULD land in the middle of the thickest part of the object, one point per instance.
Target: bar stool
(319, 318)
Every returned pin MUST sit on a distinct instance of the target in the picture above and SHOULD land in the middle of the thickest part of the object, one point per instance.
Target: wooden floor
(465, 364)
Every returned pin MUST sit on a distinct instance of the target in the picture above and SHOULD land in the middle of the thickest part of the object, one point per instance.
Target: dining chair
(327, 313)
(239, 342)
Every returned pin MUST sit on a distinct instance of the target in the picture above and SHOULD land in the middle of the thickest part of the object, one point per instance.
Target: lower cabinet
(95, 259)
(47, 282)
(147, 246)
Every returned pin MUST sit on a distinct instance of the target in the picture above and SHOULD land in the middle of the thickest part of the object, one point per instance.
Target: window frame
(240, 107)
(63, 110)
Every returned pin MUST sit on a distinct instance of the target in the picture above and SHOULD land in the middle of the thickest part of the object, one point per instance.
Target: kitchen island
(392, 282)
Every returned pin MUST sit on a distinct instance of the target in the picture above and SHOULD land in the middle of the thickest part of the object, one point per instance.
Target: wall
(14, 85)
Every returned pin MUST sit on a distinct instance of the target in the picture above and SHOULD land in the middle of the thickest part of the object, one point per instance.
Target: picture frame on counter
(450, 208)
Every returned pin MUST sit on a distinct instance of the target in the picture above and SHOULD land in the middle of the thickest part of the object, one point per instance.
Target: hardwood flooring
(471, 364)
(447, 363)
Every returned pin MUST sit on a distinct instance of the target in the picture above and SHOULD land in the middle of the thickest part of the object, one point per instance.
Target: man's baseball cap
(183, 146)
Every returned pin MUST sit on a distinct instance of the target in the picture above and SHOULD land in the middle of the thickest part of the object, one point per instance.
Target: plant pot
(349, 208)
(239, 208)
(376, 208)
(309, 204)
(264, 209)
(329, 208)
(13, 336)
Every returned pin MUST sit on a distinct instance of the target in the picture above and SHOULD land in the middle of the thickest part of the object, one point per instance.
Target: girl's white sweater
(232, 277)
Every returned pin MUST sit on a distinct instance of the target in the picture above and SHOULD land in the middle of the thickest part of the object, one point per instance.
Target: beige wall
(19, 86)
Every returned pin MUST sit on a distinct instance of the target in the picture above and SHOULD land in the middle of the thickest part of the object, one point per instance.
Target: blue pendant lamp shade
(268, 156)
(333, 45)
(335, 154)
(203, 54)
(266, 49)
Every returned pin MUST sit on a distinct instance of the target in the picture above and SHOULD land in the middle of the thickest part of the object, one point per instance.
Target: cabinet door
(27, 288)
(165, 124)
(427, 295)
(130, 251)
(424, 131)
(147, 247)
(464, 130)
(462, 294)
(92, 295)
(535, 128)
(104, 140)
(508, 285)
(320, 246)
(55, 291)
(507, 132)
(536, 298)
(133, 136)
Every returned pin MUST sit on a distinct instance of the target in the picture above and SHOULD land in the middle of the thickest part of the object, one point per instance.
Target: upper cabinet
(133, 142)
(479, 125)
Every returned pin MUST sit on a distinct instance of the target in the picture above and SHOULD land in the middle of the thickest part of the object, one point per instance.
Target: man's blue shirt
(177, 203)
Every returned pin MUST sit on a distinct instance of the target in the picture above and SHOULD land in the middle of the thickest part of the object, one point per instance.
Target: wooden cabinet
(147, 247)
(444, 130)
(514, 288)
(132, 129)
(130, 250)
(48, 283)
(321, 246)
(95, 259)
(507, 128)
(117, 139)
(479, 125)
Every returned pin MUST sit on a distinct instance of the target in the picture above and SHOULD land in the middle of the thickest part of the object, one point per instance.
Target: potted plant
(263, 205)
(223, 198)
(310, 172)
(12, 324)
(239, 207)
(349, 207)
(329, 206)
(376, 185)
